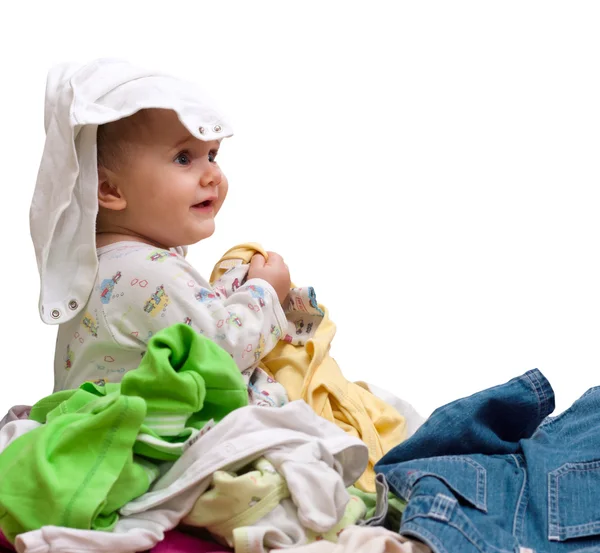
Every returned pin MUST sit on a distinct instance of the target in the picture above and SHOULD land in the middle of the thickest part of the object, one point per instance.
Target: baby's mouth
(205, 203)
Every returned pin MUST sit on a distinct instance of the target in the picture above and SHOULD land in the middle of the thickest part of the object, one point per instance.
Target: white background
(431, 168)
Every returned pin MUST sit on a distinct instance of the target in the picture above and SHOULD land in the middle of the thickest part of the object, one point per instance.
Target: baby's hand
(274, 271)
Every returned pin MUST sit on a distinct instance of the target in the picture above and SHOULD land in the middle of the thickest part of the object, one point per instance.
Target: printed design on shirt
(220, 291)
(296, 303)
(275, 332)
(299, 326)
(235, 284)
(231, 320)
(312, 297)
(260, 348)
(157, 302)
(138, 282)
(234, 320)
(160, 255)
(258, 397)
(108, 369)
(90, 324)
(107, 286)
(107, 359)
(205, 295)
(187, 321)
(69, 358)
(257, 293)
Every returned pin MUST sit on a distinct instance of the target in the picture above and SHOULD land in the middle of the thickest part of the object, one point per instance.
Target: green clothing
(395, 508)
(83, 463)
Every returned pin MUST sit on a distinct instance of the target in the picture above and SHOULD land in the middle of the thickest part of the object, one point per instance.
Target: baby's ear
(110, 195)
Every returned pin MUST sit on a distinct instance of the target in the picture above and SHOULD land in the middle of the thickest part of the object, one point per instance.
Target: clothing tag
(229, 263)
(208, 426)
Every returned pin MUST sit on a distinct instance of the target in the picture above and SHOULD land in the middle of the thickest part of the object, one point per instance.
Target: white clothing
(281, 528)
(65, 201)
(411, 416)
(365, 540)
(13, 430)
(287, 437)
(140, 289)
(15, 413)
(278, 529)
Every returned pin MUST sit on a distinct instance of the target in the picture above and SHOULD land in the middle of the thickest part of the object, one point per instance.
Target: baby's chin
(206, 230)
(174, 240)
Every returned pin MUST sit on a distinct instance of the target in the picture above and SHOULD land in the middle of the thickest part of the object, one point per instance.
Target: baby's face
(171, 182)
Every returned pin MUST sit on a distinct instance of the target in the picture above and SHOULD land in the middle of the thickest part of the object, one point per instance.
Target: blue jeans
(492, 473)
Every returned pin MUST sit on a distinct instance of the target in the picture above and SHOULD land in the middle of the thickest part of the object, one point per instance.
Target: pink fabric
(174, 542)
(5, 545)
(178, 542)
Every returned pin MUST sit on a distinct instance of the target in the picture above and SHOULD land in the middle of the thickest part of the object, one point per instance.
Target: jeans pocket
(461, 474)
(573, 505)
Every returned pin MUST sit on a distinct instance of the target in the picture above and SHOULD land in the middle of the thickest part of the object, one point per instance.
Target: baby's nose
(212, 177)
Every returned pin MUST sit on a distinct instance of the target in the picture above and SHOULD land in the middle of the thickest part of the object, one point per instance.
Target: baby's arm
(247, 324)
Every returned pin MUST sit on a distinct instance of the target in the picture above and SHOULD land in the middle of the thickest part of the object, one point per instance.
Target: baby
(157, 188)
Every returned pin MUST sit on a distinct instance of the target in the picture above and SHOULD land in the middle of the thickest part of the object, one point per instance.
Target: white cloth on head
(65, 202)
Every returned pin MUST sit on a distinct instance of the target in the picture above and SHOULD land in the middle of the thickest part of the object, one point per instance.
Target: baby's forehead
(159, 122)
(159, 127)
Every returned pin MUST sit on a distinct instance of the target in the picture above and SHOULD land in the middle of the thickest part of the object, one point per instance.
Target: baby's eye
(212, 155)
(183, 158)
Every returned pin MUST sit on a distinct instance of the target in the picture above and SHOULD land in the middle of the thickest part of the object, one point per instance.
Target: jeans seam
(522, 501)
(553, 522)
(476, 542)
(539, 384)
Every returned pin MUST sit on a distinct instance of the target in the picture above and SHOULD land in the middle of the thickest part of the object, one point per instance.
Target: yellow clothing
(309, 373)
(238, 500)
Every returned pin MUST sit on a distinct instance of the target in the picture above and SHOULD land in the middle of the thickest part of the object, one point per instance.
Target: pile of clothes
(181, 443)
(174, 458)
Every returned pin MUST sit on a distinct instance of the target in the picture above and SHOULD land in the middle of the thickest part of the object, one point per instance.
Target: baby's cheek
(222, 195)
